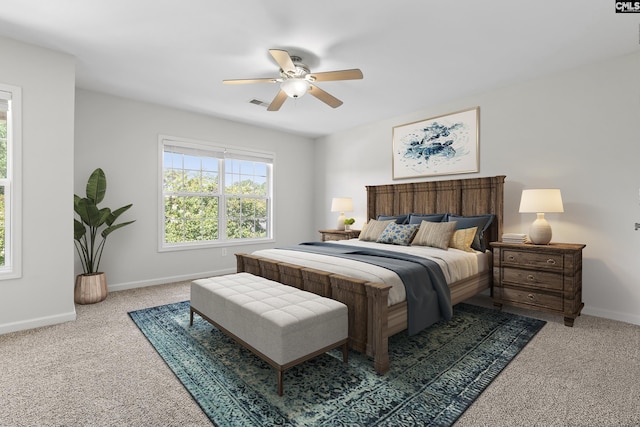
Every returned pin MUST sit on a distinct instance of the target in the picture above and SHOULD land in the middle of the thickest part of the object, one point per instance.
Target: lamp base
(540, 231)
(340, 224)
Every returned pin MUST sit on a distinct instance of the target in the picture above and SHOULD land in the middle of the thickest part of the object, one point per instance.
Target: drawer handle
(551, 261)
(531, 297)
(511, 258)
(530, 277)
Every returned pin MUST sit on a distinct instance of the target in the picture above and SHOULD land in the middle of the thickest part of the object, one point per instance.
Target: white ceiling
(413, 53)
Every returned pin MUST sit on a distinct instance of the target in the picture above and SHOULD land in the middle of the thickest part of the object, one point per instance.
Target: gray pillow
(418, 218)
(399, 219)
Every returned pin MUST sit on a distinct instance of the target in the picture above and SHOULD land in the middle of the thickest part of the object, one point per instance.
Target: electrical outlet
(224, 251)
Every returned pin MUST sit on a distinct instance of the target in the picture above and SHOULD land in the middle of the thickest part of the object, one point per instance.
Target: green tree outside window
(193, 200)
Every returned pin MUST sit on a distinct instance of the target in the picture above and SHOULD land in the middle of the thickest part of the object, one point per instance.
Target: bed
(373, 317)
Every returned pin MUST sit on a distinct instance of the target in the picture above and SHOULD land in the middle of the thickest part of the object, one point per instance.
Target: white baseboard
(170, 279)
(37, 322)
(613, 315)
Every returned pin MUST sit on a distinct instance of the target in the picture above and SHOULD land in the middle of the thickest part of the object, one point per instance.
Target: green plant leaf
(103, 216)
(97, 186)
(113, 228)
(83, 208)
(115, 214)
(79, 230)
(90, 214)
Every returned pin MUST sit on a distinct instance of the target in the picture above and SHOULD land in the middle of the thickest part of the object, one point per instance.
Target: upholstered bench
(281, 324)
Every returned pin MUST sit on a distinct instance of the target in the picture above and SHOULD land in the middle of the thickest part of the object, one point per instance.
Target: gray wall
(576, 130)
(44, 293)
(121, 137)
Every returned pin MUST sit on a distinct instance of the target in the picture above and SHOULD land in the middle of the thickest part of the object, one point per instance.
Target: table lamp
(539, 201)
(342, 205)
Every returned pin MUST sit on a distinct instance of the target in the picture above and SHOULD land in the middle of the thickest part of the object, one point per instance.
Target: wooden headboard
(475, 196)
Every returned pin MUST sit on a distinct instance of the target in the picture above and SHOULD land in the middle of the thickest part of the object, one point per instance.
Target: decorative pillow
(481, 221)
(435, 234)
(373, 229)
(418, 218)
(462, 239)
(399, 219)
(398, 234)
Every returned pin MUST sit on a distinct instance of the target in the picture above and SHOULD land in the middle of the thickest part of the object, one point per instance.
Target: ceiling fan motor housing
(300, 71)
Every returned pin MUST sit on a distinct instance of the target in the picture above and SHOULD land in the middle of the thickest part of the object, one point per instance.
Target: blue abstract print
(445, 145)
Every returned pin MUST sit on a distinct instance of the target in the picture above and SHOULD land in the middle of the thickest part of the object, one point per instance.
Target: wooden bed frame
(371, 320)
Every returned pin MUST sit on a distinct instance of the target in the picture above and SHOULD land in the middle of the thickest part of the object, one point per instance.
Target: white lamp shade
(541, 200)
(342, 205)
(295, 87)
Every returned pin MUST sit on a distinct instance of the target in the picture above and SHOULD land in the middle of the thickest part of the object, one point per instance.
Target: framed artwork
(443, 145)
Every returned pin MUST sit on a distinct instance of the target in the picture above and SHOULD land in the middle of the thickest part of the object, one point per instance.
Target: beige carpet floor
(101, 371)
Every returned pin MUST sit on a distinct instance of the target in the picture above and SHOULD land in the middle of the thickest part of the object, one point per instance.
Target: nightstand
(339, 234)
(539, 277)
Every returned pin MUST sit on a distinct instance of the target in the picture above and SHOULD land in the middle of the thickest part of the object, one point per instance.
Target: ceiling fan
(296, 79)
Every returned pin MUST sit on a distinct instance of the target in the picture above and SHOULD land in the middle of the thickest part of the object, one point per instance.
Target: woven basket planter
(90, 288)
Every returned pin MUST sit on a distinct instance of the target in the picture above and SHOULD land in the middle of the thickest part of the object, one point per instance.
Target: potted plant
(348, 223)
(90, 233)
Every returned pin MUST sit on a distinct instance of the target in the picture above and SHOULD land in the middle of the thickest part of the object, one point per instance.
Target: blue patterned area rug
(434, 376)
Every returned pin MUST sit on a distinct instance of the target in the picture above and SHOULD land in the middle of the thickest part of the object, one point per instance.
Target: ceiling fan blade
(283, 59)
(325, 97)
(353, 74)
(245, 81)
(277, 101)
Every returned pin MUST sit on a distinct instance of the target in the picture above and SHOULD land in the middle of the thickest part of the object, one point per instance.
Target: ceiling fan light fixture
(295, 87)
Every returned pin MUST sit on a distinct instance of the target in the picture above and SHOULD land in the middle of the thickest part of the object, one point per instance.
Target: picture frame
(442, 145)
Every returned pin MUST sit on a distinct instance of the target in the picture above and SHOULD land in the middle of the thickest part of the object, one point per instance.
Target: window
(213, 195)
(10, 184)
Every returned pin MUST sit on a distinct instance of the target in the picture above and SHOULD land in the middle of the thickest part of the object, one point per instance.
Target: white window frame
(219, 151)
(13, 184)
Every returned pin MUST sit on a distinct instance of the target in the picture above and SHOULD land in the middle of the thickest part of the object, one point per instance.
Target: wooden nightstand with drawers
(539, 277)
(339, 234)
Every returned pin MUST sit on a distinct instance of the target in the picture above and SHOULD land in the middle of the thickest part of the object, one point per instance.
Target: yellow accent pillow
(462, 239)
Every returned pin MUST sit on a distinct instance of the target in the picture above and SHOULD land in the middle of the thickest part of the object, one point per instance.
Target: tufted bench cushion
(281, 324)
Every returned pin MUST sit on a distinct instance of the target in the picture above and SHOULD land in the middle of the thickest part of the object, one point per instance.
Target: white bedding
(455, 264)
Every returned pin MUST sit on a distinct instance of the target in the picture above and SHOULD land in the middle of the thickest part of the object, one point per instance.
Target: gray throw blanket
(428, 296)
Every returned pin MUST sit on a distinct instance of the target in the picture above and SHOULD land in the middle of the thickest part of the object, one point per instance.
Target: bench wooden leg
(280, 391)
(191, 317)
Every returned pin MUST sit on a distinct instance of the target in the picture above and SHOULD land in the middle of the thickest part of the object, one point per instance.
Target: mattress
(455, 264)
